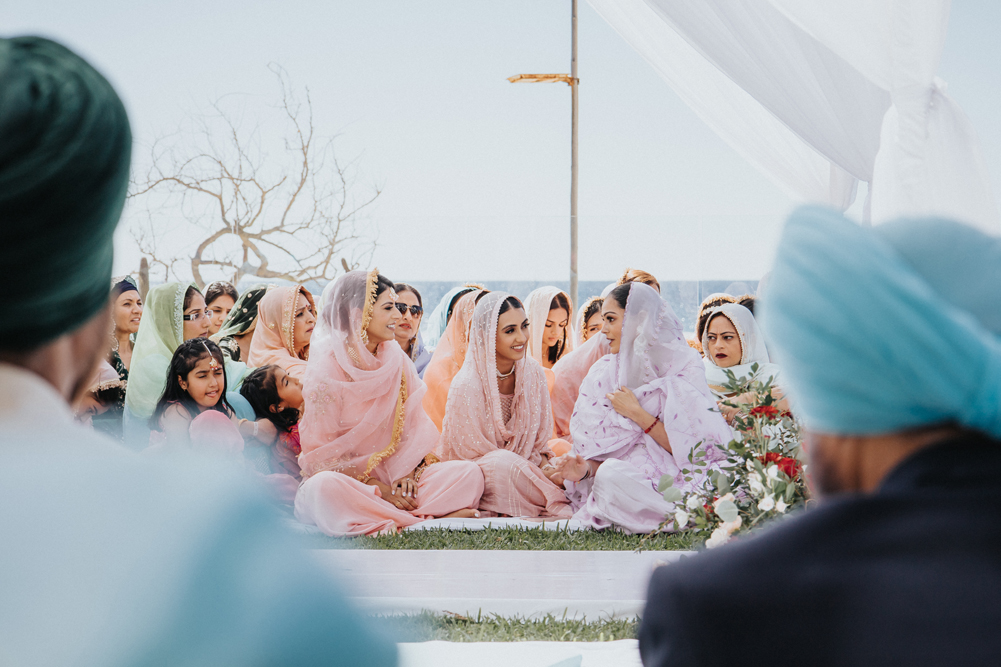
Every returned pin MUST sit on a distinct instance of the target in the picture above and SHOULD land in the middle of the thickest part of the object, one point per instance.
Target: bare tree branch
(293, 217)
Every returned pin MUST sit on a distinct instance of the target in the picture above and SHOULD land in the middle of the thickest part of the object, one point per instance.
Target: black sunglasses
(416, 311)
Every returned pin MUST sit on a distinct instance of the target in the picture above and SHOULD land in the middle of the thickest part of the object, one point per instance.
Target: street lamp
(571, 80)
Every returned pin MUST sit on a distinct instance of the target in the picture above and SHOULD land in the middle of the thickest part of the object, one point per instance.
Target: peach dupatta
(570, 372)
(363, 414)
(274, 337)
(448, 358)
(510, 452)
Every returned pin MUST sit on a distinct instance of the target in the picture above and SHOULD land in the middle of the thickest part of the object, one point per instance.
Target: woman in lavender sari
(640, 411)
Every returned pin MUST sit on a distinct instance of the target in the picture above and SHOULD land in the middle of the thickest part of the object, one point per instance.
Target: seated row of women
(546, 421)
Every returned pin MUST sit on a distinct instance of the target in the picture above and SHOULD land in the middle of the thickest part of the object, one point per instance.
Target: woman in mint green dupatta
(160, 332)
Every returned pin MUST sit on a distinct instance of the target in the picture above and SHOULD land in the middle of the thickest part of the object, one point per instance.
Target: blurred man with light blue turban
(890, 341)
(108, 558)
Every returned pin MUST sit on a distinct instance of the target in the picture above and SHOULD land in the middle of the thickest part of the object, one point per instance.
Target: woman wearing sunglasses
(411, 308)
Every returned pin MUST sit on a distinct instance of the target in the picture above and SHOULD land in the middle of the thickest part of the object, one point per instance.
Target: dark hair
(620, 295)
(709, 320)
(218, 289)
(455, 299)
(404, 287)
(189, 294)
(479, 296)
(260, 388)
(510, 303)
(382, 283)
(747, 301)
(708, 305)
(592, 309)
(186, 357)
(556, 351)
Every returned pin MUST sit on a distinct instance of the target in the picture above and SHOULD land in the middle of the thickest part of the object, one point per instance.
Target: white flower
(722, 533)
(732, 526)
(773, 471)
(693, 502)
(781, 506)
(749, 465)
(680, 519)
(719, 537)
(716, 503)
(756, 483)
(767, 503)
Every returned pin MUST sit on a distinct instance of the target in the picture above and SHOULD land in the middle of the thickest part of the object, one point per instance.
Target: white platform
(530, 584)
(497, 522)
(622, 653)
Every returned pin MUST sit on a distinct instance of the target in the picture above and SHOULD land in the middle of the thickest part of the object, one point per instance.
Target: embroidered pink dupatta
(363, 415)
(474, 425)
(448, 358)
(274, 336)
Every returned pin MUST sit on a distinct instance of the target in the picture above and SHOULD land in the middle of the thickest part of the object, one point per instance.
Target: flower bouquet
(759, 477)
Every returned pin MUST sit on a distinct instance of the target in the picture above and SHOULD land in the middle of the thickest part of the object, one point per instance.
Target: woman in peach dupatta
(570, 372)
(503, 423)
(286, 317)
(448, 357)
(366, 442)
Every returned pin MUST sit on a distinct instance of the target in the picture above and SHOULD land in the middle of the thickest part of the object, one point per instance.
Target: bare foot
(462, 514)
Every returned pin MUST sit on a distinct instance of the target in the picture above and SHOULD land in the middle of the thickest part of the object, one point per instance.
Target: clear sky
(475, 171)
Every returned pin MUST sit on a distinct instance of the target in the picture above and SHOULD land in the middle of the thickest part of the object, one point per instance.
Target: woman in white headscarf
(551, 334)
(732, 342)
(642, 409)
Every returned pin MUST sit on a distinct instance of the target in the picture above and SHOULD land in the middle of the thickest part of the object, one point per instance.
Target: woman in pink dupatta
(570, 372)
(448, 357)
(366, 441)
(641, 410)
(286, 318)
(505, 434)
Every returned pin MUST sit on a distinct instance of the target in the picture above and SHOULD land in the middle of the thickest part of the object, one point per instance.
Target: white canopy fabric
(821, 94)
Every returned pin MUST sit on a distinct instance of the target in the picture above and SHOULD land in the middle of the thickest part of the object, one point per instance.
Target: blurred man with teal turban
(108, 558)
(890, 341)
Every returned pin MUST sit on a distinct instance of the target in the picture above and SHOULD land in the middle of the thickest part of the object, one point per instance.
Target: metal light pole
(573, 156)
(571, 80)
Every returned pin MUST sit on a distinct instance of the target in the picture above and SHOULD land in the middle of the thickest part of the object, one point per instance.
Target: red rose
(769, 411)
(789, 466)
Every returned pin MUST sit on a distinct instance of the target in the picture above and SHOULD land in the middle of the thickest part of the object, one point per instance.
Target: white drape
(821, 94)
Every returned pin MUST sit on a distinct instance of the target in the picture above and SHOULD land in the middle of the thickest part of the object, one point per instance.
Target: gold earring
(364, 336)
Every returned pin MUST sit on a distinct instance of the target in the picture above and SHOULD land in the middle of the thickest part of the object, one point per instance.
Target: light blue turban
(889, 328)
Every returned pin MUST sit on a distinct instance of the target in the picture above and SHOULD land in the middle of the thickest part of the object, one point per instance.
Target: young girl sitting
(193, 411)
(195, 392)
(277, 396)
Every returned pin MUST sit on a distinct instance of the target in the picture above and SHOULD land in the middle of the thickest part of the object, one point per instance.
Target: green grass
(454, 628)
(521, 539)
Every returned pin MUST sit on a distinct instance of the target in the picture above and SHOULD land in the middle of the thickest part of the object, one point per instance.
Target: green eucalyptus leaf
(726, 510)
(673, 494)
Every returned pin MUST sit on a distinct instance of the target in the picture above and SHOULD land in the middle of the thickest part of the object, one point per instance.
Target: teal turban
(65, 147)
(889, 328)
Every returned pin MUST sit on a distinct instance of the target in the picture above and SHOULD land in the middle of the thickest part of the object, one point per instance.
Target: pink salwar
(514, 487)
(340, 505)
(509, 448)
